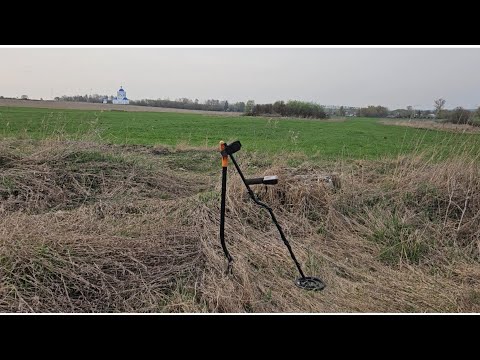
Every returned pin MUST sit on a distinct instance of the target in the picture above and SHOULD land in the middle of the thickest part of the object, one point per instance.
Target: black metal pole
(274, 219)
(222, 219)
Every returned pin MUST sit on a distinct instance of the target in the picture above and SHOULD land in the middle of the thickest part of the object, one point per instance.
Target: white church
(121, 97)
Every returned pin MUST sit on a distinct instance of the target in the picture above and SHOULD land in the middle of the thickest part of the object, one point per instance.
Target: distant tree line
(95, 98)
(182, 103)
(459, 115)
(185, 103)
(411, 113)
(7, 98)
(291, 108)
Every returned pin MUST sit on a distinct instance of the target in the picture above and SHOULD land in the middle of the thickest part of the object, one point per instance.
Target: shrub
(460, 116)
(291, 108)
(373, 111)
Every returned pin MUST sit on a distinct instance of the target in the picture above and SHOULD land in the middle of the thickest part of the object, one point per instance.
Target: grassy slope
(357, 138)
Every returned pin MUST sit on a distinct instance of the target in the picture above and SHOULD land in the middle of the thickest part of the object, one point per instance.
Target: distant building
(121, 97)
(105, 101)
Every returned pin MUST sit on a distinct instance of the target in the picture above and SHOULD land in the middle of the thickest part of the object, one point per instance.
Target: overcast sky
(394, 78)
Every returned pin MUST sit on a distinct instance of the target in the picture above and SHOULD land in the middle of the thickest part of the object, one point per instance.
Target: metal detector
(226, 150)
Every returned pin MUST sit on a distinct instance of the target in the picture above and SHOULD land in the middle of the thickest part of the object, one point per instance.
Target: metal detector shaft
(274, 219)
(222, 210)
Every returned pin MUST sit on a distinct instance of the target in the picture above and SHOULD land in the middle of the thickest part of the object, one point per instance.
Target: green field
(356, 138)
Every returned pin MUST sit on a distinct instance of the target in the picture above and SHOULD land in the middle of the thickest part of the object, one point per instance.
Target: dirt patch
(433, 125)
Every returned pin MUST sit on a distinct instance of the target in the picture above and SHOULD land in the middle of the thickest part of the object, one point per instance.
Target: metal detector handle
(266, 180)
(229, 149)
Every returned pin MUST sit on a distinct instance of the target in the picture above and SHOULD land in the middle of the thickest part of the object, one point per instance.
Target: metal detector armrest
(266, 180)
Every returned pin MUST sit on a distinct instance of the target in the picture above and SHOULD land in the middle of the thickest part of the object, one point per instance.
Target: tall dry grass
(88, 228)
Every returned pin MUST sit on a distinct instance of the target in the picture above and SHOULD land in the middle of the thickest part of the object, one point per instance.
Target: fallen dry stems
(90, 230)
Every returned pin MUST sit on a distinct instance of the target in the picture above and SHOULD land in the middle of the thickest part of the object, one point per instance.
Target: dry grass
(55, 178)
(112, 230)
(435, 125)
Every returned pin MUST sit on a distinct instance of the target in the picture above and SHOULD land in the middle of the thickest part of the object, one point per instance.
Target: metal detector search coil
(304, 282)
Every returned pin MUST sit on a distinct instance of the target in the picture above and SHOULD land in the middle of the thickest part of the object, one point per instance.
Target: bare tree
(410, 111)
(439, 104)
